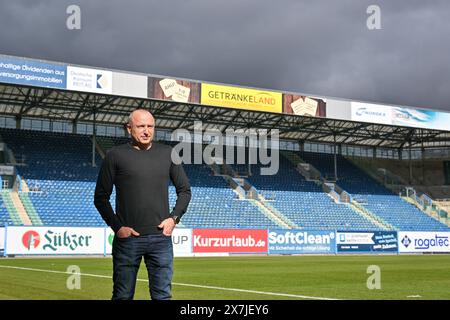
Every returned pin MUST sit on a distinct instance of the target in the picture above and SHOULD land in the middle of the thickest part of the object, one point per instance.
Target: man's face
(142, 127)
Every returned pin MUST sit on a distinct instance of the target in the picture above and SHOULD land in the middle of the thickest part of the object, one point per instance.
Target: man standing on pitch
(143, 225)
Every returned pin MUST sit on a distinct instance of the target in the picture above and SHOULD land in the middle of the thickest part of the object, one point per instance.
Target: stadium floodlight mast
(257, 141)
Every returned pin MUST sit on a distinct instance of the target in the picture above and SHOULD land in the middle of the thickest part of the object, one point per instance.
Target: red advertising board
(229, 240)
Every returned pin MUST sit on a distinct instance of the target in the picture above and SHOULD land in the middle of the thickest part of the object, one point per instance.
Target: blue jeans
(127, 254)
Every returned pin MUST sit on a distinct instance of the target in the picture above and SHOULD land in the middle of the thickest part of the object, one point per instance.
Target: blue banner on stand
(32, 73)
(366, 241)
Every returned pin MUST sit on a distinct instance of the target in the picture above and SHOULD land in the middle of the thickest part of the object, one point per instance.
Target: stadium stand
(304, 202)
(374, 196)
(58, 171)
(61, 180)
(214, 204)
(227, 212)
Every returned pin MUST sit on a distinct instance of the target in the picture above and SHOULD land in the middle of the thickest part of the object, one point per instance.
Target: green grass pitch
(407, 277)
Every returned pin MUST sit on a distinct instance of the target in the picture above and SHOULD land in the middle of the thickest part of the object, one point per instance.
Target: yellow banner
(241, 98)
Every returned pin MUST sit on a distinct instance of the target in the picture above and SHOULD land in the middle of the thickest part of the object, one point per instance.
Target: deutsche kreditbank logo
(31, 239)
(102, 81)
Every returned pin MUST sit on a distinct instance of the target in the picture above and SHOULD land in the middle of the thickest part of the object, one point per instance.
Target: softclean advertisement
(301, 242)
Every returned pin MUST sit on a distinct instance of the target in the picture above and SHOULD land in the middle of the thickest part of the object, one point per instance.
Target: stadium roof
(77, 106)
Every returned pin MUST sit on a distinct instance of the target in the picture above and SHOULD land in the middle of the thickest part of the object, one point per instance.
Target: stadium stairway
(262, 204)
(305, 169)
(24, 186)
(382, 224)
(30, 209)
(426, 205)
(222, 169)
(20, 209)
(15, 218)
(280, 218)
(246, 192)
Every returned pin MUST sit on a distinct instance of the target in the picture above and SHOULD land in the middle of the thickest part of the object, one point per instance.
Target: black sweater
(141, 178)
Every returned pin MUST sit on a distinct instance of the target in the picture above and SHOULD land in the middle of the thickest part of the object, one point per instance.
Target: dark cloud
(315, 47)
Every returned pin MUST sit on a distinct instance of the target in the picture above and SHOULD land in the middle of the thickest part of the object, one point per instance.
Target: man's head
(141, 127)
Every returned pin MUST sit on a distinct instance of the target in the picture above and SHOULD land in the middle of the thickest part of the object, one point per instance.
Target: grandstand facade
(334, 173)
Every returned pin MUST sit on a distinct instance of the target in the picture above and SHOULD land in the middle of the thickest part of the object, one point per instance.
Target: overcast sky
(316, 47)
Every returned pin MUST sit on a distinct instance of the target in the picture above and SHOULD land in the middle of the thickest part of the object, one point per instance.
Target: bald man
(143, 225)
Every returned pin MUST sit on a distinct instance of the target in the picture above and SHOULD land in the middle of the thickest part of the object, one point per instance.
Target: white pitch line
(254, 291)
(178, 284)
